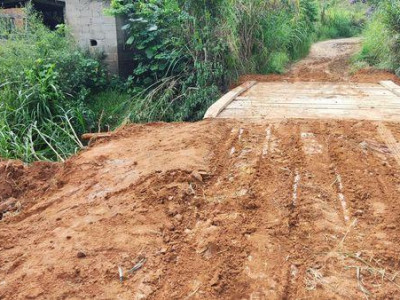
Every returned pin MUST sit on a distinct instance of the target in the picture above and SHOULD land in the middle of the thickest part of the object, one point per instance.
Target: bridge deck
(310, 100)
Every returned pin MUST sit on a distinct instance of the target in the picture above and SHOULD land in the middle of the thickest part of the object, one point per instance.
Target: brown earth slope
(219, 209)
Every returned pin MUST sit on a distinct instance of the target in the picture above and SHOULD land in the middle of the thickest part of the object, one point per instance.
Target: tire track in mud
(371, 185)
(217, 227)
(253, 143)
(266, 265)
(326, 216)
(316, 217)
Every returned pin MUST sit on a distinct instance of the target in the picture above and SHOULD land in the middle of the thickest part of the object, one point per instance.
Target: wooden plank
(223, 102)
(327, 100)
(94, 136)
(314, 91)
(386, 118)
(391, 86)
(318, 84)
(301, 112)
(390, 141)
(245, 105)
(310, 114)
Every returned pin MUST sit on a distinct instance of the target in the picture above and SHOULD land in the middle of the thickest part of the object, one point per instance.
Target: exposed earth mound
(218, 209)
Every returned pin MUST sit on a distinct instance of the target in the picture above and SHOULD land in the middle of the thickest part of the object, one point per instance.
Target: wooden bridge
(310, 100)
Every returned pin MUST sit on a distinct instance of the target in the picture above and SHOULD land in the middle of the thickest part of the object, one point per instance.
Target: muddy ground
(218, 209)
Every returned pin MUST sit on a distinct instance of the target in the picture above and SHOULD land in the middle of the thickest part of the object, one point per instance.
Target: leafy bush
(45, 81)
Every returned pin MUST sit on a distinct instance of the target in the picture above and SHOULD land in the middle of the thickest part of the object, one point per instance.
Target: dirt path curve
(218, 209)
(327, 61)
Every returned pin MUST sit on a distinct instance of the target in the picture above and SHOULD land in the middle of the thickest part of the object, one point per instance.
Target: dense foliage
(341, 19)
(381, 45)
(187, 51)
(44, 82)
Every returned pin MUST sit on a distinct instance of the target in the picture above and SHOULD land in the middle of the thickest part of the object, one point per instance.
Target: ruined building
(91, 28)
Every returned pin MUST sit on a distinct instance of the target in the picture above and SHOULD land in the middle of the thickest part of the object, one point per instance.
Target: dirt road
(219, 209)
(328, 61)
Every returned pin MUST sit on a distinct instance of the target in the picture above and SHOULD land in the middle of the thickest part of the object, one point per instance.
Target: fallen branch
(94, 136)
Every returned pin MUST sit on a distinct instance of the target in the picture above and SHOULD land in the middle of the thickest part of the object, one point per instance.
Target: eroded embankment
(211, 210)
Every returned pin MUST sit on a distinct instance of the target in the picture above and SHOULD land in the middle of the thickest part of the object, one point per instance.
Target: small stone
(358, 213)
(81, 254)
(215, 279)
(178, 217)
(196, 175)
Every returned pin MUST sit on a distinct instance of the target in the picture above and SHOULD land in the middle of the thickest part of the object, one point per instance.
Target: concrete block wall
(93, 30)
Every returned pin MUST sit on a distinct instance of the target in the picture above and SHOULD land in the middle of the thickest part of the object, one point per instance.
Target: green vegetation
(341, 19)
(186, 53)
(381, 45)
(44, 83)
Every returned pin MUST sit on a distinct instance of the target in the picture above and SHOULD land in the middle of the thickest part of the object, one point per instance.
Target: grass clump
(45, 81)
(341, 19)
(381, 43)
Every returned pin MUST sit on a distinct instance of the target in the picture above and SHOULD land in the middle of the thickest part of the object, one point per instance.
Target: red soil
(218, 209)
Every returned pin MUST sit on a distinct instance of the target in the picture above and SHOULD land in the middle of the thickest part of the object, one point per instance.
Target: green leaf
(149, 53)
(130, 40)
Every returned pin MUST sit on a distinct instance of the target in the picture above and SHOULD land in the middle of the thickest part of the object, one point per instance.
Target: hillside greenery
(381, 44)
(186, 54)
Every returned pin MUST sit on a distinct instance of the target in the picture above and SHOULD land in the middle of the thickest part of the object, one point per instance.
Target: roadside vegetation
(342, 19)
(45, 81)
(187, 53)
(381, 44)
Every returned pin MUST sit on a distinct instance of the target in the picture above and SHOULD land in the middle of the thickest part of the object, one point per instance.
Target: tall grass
(44, 80)
(381, 43)
(341, 19)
